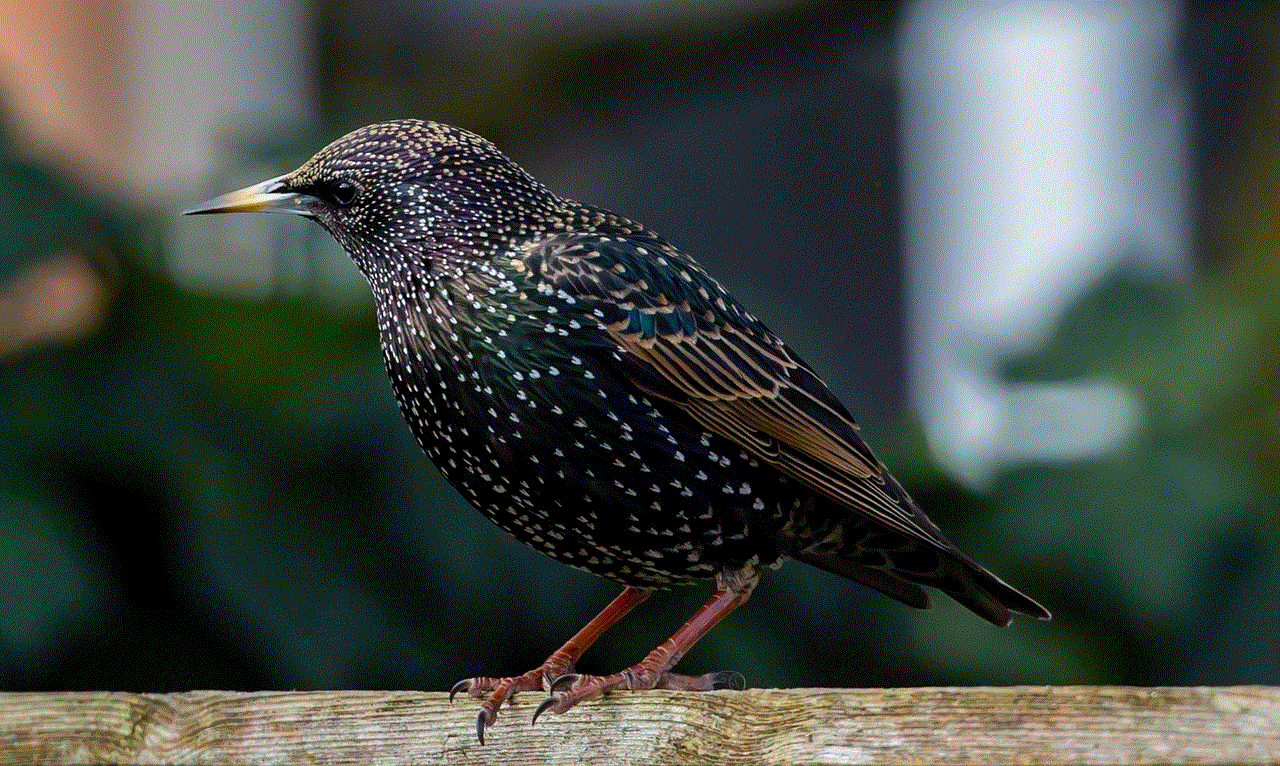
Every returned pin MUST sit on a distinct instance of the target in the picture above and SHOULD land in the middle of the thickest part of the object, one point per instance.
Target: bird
(596, 393)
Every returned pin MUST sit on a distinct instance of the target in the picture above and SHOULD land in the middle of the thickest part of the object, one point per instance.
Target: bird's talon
(462, 686)
(547, 703)
(480, 724)
(568, 678)
(728, 679)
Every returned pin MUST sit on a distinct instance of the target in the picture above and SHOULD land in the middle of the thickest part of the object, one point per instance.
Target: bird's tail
(897, 566)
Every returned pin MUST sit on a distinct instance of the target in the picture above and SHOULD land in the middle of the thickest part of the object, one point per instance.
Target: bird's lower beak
(263, 197)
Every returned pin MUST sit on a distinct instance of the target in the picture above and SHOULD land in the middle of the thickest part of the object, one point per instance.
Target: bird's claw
(547, 703)
(727, 679)
(462, 686)
(482, 720)
(567, 678)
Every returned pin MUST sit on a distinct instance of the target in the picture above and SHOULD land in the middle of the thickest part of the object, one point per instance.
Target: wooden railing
(984, 725)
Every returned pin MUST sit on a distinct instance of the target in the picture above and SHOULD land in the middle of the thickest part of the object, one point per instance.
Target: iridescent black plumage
(594, 392)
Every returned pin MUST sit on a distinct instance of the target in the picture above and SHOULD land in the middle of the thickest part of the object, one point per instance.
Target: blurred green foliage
(214, 491)
(217, 491)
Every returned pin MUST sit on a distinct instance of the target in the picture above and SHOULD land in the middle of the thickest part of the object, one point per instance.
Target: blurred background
(1032, 246)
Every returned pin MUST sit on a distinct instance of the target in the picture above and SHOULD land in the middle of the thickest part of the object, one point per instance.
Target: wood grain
(1008, 725)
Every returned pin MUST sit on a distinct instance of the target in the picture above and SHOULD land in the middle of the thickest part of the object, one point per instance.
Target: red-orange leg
(560, 663)
(653, 672)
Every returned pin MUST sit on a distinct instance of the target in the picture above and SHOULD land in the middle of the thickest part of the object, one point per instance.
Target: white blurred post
(1043, 145)
(206, 76)
(207, 72)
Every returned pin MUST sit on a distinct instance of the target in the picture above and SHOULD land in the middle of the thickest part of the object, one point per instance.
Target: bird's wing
(687, 340)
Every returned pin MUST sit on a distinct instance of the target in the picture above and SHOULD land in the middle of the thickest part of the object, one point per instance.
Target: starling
(594, 392)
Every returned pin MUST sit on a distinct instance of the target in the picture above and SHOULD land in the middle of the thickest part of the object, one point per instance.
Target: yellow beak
(262, 197)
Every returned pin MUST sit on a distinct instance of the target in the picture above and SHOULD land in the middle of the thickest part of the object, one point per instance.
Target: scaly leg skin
(558, 665)
(653, 671)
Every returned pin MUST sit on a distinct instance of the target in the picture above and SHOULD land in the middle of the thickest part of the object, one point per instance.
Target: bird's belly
(610, 483)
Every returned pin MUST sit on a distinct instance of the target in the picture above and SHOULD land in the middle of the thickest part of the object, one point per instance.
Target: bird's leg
(560, 663)
(653, 672)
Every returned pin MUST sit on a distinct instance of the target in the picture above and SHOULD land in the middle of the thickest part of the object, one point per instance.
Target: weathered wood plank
(1014, 725)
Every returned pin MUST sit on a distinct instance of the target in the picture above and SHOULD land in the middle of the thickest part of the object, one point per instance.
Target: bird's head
(399, 191)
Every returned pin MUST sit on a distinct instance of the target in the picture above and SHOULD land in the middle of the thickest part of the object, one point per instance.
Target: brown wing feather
(727, 371)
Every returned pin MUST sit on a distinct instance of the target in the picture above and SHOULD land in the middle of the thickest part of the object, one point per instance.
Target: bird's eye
(343, 192)
(340, 193)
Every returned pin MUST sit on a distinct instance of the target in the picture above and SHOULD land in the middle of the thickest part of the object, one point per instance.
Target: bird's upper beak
(263, 197)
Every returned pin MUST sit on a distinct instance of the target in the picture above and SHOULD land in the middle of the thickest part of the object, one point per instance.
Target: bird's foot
(571, 688)
(558, 665)
(653, 672)
(499, 690)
